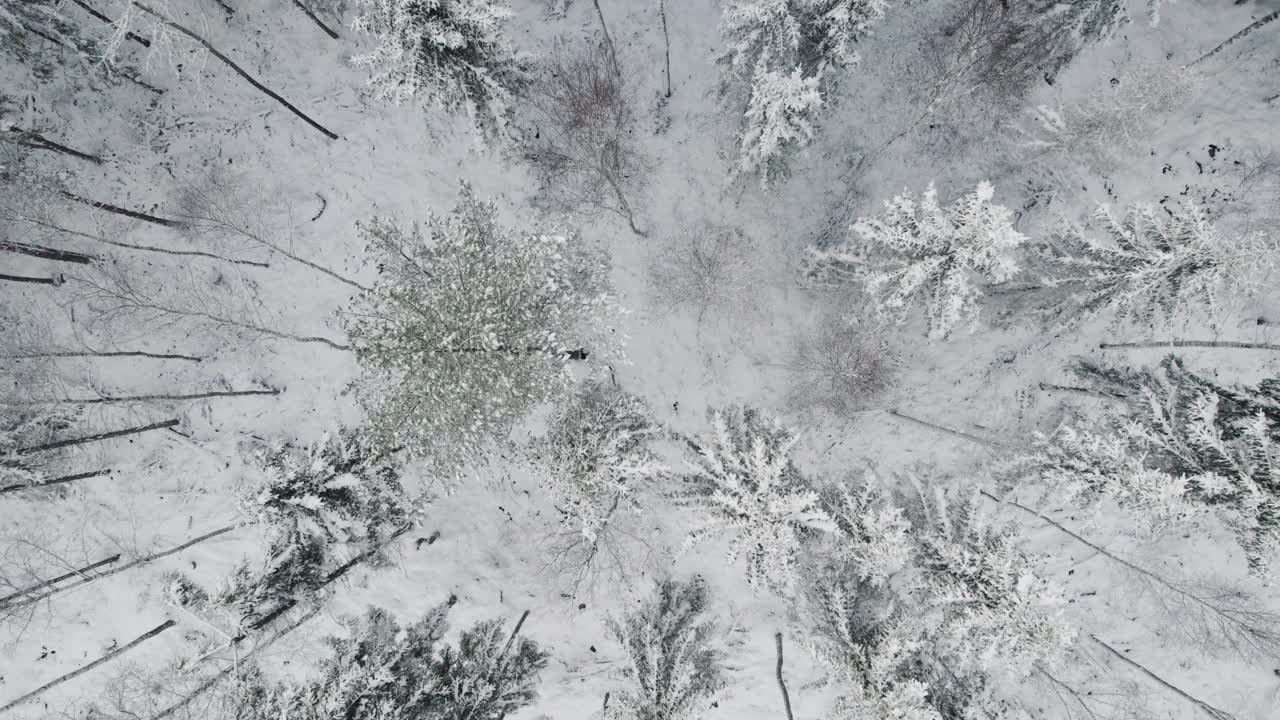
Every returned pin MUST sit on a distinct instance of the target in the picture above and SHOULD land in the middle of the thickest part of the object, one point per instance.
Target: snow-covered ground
(308, 192)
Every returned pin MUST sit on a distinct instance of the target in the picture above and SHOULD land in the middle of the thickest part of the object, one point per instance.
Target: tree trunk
(1048, 387)
(949, 431)
(89, 9)
(238, 70)
(608, 41)
(56, 481)
(90, 353)
(142, 398)
(35, 140)
(1256, 24)
(105, 658)
(127, 566)
(94, 438)
(37, 280)
(230, 11)
(1208, 709)
(666, 38)
(315, 19)
(579, 354)
(65, 576)
(45, 253)
(139, 248)
(121, 211)
(1191, 343)
(786, 699)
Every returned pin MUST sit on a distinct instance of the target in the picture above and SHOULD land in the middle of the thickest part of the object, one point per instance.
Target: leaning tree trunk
(121, 211)
(80, 571)
(143, 398)
(45, 253)
(238, 70)
(36, 141)
(69, 442)
(1256, 24)
(320, 23)
(1191, 343)
(91, 353)
(56, 481)
(80, 671)
(608, 41)
(666, 39)
(58, 280)
(130, 36)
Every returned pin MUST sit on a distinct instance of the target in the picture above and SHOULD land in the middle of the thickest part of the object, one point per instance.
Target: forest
(639, 359)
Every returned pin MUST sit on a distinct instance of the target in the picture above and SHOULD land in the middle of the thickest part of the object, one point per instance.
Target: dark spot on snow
(453, 600)
(1115, 81)
(1168, 169)
(582, 606)
(593, 648)
(1199, 167)
(1213, 150)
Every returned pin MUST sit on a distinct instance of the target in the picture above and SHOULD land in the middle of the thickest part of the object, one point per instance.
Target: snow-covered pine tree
(1153, 265)
(385, 671)
(780, 116)
(745, 482)
(995, 613)
(672, 659)
(24, 427)
(783, 54)
(470, 327)
(918, 249)
(872, 534)
(452, 54)
(594, 455)
(1225, 441)
(1084, 465)
(339, 497)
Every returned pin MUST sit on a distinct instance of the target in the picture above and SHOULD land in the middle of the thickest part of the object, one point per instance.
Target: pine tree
(780, 115)
(471, 327)
(744, 481)
(1155, 264)
(672, 660)
(785, 53)
(872, 533)
(919, 249)
(451, 54)
(594, 455)
(385, 671)
(996, 614)
(1223, 440)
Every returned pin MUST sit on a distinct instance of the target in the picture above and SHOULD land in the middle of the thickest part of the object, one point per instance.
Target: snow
(401, 163)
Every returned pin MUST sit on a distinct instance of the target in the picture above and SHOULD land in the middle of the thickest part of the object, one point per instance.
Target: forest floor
(493, 527)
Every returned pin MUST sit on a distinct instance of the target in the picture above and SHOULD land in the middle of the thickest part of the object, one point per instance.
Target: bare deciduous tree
(837, 365)
(584, 153)
(707, 268)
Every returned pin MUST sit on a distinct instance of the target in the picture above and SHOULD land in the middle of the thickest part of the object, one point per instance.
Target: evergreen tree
(672, 660)
(1047, 34)
(594, 455)
(1154, 264)
(745, 481)
(337, 498)
(872, 533)
(786, 53)
(918, 249)
(385, 671)
(453, 54)
(468, 328)
(1222, 441)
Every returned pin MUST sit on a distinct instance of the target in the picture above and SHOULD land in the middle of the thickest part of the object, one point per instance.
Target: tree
(465, 332)
(785, 53)
(385, 671)
(339, 496)
(745, 481)
(1223, 440)
(1153, 265)
(450, 53)
(594, 456)
(672, 660)
(872, 533)
(919, 249)
(585, 152)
